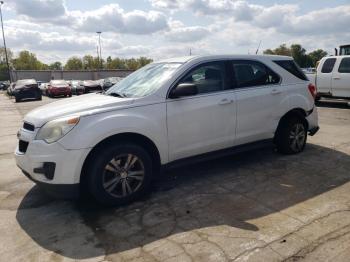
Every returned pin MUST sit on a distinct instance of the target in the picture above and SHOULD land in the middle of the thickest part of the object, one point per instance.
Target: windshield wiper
(115, 94)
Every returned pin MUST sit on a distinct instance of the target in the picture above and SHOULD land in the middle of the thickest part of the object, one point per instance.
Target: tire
(291, 136)
(110, 183)
(17, 99)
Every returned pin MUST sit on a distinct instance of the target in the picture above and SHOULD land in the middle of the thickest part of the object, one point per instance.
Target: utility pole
(99, 43)
(3, 36)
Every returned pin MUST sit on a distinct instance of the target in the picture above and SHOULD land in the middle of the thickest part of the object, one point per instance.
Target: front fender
(149, 121)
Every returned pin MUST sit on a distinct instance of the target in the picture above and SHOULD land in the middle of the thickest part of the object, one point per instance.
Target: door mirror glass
(184, 89)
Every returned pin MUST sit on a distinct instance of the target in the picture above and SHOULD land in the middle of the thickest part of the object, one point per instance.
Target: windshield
(145, 80)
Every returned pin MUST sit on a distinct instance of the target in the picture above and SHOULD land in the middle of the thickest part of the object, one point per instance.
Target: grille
(28, 126)
(22, 146)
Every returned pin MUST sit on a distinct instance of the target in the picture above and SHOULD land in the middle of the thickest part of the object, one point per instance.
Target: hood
(79, 105)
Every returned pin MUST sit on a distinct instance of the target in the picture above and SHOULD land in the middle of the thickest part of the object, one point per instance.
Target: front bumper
(63, 180)
(61, 191)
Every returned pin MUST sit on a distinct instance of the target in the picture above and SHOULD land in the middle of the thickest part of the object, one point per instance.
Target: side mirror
(184, 89)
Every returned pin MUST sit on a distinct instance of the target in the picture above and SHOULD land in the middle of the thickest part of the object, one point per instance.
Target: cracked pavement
(256, 206)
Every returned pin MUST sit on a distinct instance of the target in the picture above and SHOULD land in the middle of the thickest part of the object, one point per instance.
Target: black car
(26, 88)
(4, 85)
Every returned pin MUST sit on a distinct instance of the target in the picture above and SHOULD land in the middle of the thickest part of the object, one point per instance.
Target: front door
(204, 122)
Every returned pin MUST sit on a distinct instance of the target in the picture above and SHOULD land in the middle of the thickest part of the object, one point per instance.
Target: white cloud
(181, 33)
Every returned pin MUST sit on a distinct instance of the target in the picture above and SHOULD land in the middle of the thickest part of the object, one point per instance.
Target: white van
(333, 77)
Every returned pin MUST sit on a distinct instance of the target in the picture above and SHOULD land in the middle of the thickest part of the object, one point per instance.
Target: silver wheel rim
(297, 137)
(123, 175)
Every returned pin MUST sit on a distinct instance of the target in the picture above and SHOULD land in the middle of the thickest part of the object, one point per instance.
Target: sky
(57, 29)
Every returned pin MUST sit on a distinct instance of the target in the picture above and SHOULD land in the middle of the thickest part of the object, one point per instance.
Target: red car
(58, 88)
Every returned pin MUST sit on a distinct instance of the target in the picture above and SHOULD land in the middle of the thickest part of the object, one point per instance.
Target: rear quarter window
(292, 67)
(328, 65)
(344, 66)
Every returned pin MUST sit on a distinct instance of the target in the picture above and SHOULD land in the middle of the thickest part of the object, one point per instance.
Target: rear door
(258, 95)
(324, 75)
(341, 78)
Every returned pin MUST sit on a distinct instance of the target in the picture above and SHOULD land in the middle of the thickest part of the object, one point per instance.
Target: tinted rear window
(344, 66)
(328, 65)
(292, 68)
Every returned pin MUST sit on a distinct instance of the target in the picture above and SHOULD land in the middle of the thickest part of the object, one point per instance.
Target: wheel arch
(295, 112)
(135, 138)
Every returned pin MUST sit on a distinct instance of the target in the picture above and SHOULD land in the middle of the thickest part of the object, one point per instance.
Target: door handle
(336, 78)
(275, 91)
(225, 101)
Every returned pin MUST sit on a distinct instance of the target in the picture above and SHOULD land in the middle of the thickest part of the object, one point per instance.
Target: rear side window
(328, 65)
(252, 73)
(292, 68)
(344, 66)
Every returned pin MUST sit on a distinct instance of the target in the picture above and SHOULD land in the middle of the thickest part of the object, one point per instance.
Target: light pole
(99, 43)
(3, 36)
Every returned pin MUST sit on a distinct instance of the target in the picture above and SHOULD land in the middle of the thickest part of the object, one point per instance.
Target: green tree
(55, 66)
(144, 61)
(316, 56)
(27, 61)
(74, 63)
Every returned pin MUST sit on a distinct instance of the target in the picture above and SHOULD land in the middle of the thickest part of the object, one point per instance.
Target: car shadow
(333, 103)
(230, 192)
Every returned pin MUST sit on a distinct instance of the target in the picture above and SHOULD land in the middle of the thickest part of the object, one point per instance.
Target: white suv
(113, 143)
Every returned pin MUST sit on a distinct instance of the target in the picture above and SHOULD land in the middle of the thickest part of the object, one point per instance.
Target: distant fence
(47, 75)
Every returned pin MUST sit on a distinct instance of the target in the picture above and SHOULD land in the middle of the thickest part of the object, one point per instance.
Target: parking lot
(256, 206)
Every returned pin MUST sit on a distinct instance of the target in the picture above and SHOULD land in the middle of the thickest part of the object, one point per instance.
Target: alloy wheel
(123, 175)
(297, 137)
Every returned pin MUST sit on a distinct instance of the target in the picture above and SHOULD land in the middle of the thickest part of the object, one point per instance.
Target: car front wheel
(291, 136)
(120, 174)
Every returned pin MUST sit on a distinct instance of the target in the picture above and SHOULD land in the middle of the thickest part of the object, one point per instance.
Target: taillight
(313, 90)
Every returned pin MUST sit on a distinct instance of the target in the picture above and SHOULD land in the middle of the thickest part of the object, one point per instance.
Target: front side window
(328, 65)
(344, 66)
(208, 77)
(252, 73)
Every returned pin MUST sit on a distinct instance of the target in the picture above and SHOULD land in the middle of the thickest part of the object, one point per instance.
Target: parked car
(110, 81)
(333, 77)
(4, 85)
(43, 88)
(26, 89)
(58, 88)
(166, 113)
(91, 86)
(77, 87)
(11, 88)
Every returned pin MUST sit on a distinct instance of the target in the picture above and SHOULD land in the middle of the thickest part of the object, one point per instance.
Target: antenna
(257, 50)
(190, 51)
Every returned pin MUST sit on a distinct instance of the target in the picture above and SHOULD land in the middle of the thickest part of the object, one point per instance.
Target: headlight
(56, 129)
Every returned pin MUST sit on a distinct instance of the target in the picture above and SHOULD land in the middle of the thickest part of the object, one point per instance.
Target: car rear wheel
(17, 99)
(120, 174)
(291, 136)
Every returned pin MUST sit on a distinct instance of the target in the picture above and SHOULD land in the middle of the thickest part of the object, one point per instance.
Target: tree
(316, 56)
(27, 61)
(3, 65)
(74, 63)
(299, 54)
(55, 66)
(144, 61)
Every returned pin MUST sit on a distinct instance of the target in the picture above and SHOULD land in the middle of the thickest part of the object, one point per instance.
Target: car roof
(336, 56)
(198, 58)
